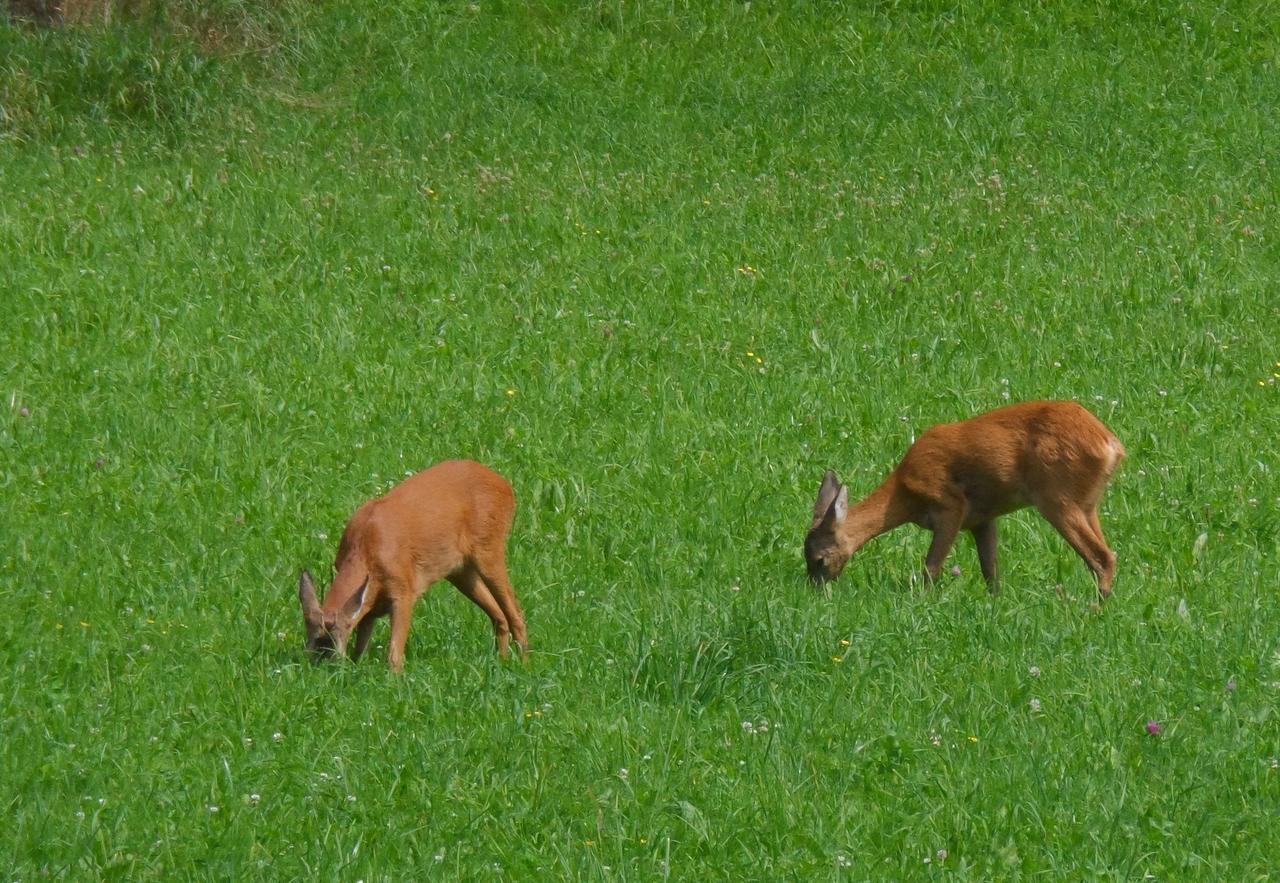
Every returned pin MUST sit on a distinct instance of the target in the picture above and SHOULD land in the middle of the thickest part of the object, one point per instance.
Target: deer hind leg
(1104, 584)
(1080, 527)
(984, 536)
(1094, 524)
(494, 574)
(469, 583)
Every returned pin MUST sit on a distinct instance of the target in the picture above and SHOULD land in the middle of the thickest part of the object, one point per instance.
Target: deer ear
(311, 613)
(833, 518)
(356, 602)
(840, 508)
(826, 495)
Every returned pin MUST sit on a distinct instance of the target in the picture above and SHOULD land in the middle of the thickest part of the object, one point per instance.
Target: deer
(451, 522)
(1053, 455)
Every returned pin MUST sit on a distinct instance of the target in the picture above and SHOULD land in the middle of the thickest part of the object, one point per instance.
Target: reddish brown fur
(1055, 456)
(447, 522)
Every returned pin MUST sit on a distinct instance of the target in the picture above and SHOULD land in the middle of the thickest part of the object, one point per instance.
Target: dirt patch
(55, 12)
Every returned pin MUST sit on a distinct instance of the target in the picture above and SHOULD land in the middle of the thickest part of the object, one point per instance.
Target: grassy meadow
(660, 265)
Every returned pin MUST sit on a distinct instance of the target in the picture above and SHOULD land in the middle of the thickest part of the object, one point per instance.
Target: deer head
(328, 630)
(825, 554)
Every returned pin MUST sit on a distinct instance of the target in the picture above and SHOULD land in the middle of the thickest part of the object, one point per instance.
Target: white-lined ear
(840, 507)
(833, 518)
(356, 602)
(311, 613)
(826, 495)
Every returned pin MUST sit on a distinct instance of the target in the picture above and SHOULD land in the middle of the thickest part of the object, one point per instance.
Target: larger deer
(1055, 456)
(447, 522)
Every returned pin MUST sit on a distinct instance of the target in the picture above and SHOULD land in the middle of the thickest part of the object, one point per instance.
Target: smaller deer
(447, 522)
(1055, 456)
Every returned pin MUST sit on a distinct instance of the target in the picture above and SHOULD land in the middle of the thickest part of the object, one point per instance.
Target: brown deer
(447, 522)
(1055, 456)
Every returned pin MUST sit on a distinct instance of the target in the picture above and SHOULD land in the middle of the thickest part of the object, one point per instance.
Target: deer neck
(882, 510)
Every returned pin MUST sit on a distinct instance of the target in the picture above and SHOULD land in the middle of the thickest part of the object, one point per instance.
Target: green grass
(660, 265)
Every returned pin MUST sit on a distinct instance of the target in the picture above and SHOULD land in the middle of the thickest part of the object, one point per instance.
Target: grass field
(660, 264)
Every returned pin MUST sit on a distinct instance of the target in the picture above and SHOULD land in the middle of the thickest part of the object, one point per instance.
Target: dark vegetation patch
(71, 68)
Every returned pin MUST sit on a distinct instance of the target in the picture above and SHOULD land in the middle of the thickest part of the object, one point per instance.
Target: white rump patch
(1115, 453)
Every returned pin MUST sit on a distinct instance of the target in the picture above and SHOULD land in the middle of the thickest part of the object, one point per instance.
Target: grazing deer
(447, 522)
(1055, 456)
